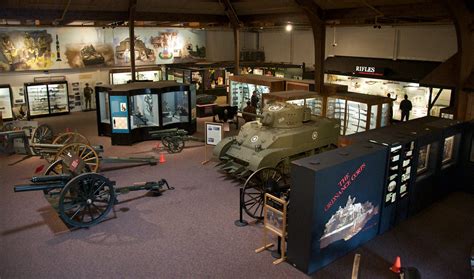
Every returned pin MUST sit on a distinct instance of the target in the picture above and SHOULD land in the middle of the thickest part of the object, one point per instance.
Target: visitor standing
(405, 107)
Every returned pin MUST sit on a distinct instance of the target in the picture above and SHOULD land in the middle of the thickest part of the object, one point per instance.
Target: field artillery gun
(83, 199)
(173, 140)
(43, 143)
(262, 152)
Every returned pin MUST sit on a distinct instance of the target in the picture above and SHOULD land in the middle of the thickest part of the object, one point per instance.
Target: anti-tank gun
(262, 151)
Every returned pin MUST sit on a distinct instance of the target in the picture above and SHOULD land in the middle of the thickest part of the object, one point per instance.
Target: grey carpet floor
(190, 232)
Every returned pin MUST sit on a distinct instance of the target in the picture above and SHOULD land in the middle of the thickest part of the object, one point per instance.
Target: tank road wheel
(83, 151)
(176, 145)
(86, 200)
(70, 137)
(264, 180)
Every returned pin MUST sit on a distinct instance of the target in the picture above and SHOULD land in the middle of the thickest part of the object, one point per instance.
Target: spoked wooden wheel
(83, 151)
(70, 137)
(54, 169)
(42, 134)
(264, 180)
(176, 145)
(86, 200)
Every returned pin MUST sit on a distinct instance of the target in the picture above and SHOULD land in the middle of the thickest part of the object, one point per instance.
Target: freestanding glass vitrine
(45, 99)
(129, 112)
(6, 102)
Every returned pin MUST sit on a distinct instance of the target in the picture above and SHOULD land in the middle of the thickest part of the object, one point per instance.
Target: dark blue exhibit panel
(119, 113)
(336, 200)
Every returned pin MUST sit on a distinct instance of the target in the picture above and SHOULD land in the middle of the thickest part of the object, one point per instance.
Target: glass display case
(58, 98)
(131, 112)
(358, 112)
(122, 76)
(6, 102)
(242, 88)
(280, 70)
(175, 107)
(312, 100)
(47, 98)
(209, 78)
(144, 111)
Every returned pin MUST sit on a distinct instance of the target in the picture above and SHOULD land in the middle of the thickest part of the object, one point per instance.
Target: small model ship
(90, 56)
(347, 221)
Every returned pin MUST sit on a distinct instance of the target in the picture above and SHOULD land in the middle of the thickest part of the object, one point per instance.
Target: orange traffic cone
(162, 157)
(397, 265)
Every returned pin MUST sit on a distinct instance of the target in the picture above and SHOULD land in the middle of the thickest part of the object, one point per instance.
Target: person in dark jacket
(405, 107)
(254, 99)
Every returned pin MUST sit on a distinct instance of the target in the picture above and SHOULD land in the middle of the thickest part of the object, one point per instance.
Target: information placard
(214, 133)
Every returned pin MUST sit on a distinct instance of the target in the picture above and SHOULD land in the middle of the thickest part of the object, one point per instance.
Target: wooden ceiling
(250, 14)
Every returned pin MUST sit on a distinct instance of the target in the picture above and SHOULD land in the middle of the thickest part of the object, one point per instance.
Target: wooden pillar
(131, 31)
(237, 51)
(465, 65)
(319, 36)
(314, 14)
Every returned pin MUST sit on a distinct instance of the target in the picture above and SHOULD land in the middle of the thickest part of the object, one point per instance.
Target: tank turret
(283, 115)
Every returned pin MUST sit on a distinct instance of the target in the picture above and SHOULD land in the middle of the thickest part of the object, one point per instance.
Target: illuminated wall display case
(46, 99)
(309, 99)
(6, 102)
(128, 113)
(336, 196)
(375, 76)
(122, 76)
(209, 78)
(242, 88)
(279, 70)
(358, 112)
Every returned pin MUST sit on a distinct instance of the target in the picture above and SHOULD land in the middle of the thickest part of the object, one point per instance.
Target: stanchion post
(241, 222)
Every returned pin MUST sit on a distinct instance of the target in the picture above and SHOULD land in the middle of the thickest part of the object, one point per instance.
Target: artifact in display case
(144, 111)
(47, 98)
(6, 102)
(358, 112)
(448, 149)
(423, 159)
(122, 76)
(175, 107)
(209, 78)
(243, 87)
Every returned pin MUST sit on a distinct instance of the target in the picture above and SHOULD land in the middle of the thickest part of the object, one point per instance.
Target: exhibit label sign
(370, 71)
(214, 133)
(119, 113)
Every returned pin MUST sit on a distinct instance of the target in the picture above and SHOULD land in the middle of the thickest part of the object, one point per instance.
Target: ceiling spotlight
(289, 27)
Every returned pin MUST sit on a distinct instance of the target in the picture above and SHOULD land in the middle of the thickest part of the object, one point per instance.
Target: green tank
(282, 133)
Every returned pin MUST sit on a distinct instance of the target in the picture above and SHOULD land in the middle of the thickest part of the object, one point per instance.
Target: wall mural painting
(171, 46)
(85, 55)
(143, 55)
(25, 50)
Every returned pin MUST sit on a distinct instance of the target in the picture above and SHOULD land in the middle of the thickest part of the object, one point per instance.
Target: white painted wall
(430, 43)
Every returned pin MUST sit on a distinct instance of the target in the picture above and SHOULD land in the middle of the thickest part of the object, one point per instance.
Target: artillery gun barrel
(50, 178)
(253, 114)
(38, 187)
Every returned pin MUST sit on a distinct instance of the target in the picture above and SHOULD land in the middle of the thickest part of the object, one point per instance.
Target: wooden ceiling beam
(420, 10)
(72, 15)
(231, 14)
